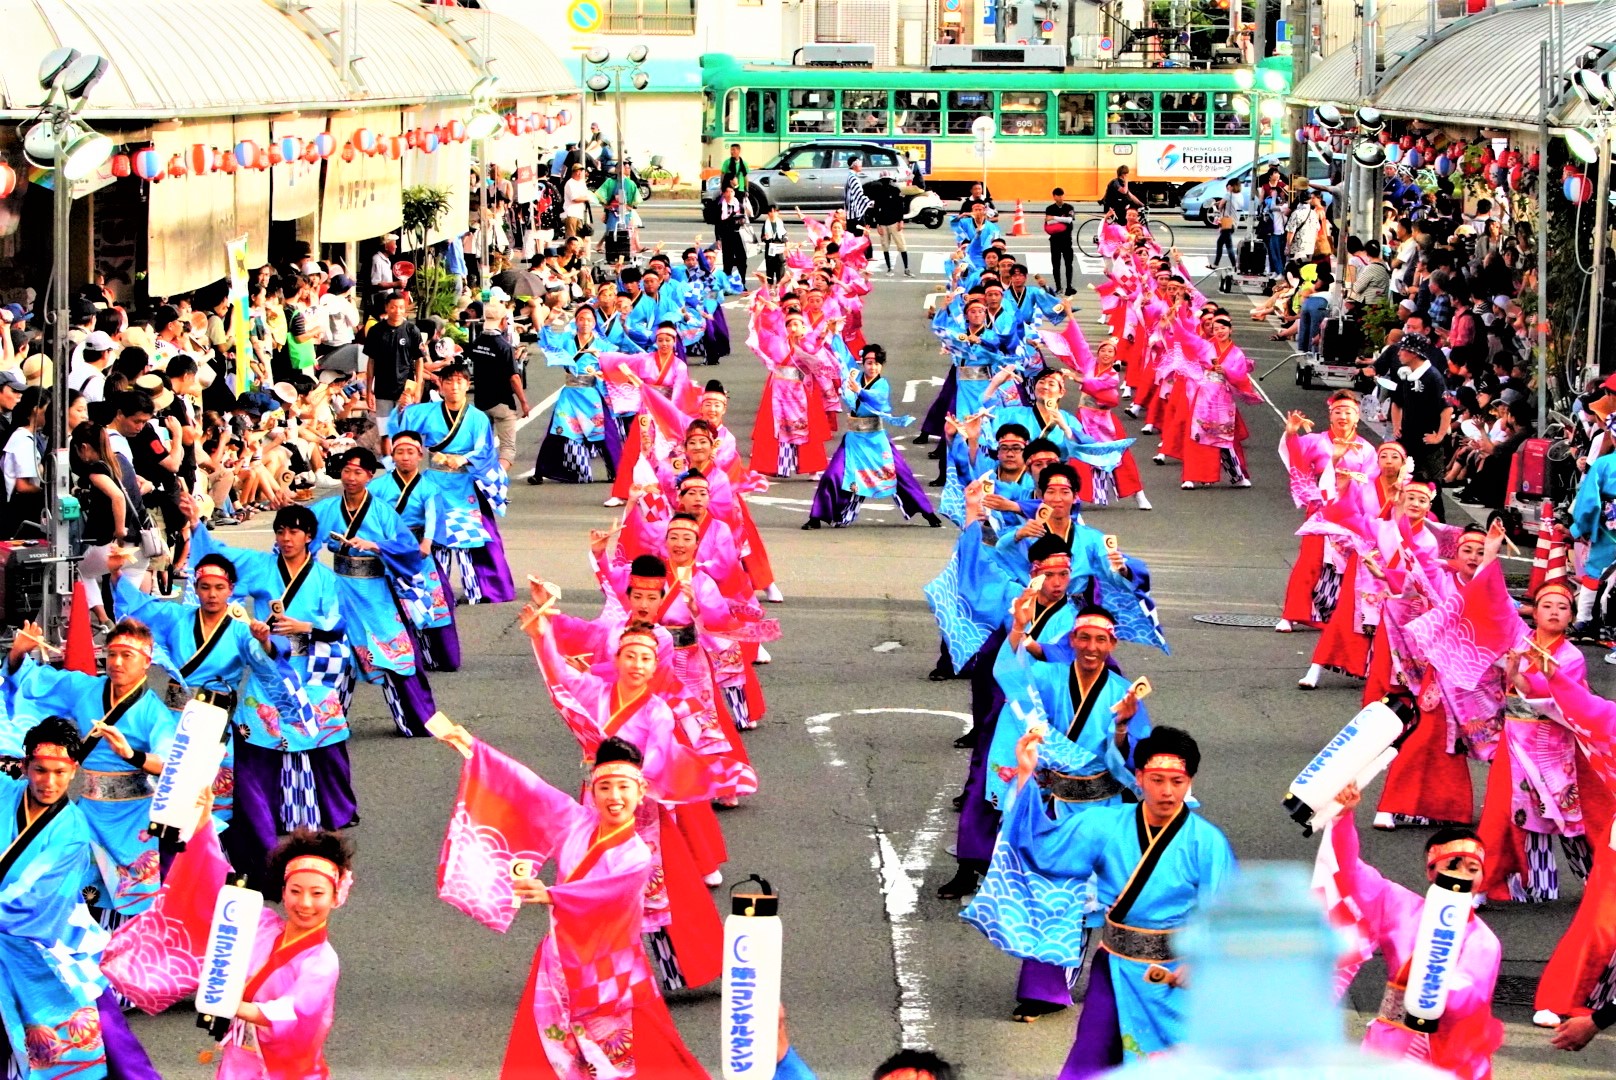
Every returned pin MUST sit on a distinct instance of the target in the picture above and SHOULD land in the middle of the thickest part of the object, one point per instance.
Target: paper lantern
(1499, 175)
(564, 117)
(275, 155)
(8, 179)
(200, 159)
(1443, 165)
(550, 125)
(148, 166)
(1579, 189)
(395, 147)
(1534, 160)
(430, 141)
(364, 140)
(310, 155)
(1406, 142)
(120, 165)
(1394, 154)
(410, 139)
(176, 165)
(347, 153)
(457, 130)
(227, 164)
(246, 153)
(291, 148)
(1517, 172)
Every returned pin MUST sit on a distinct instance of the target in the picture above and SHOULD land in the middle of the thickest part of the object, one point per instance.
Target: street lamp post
(1263, 100)
(485, 124)
(1599, 93)
(609, 76)
(58, 140)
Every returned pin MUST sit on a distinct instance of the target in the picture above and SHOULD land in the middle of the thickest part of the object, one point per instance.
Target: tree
(433, 289)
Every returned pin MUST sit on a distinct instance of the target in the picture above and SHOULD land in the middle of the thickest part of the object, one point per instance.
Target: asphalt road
(852, 822)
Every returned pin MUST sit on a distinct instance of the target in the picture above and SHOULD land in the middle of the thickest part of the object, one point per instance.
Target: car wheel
(759, 201)
(932, 218)
(1208, 218)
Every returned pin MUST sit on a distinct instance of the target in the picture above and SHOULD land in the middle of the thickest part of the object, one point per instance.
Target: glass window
(1023, 112)
(810, 157)
(762, 112)
(964, 106)
(1129, 113)
(1225, 121)
(1075, 114)
(864, 112)
(919, 111)
(811, 112)
(732, 112)
(1183, 113)
(881, 159)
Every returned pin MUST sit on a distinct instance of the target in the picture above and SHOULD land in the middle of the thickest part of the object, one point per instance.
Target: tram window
(1075, 114)
(762, 114)
(1225, 120)
(864, 112)
(964, 106)
(811, 112)
(732, 112)
(1183, 113)
(1129, 113)
(919, 111)
(771, 110)
(1023, 112)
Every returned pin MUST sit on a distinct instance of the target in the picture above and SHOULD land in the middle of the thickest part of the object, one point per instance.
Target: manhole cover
(1226, 618)
(1514, 990)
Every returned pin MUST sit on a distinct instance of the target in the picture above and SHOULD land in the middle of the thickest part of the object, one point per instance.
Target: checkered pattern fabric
(448, 559)
(306, 716)
(1231, 465)
(609, 981)
(739, 710)
(463, 528)
(1104, 487)
(849, 511)
(787, 464)
(75, 956)
(1542, 881)
(1579, 854)
(1326, 593)
(576, 454)
(495, 484)
(659, 947)
(395, 707)
(298, 806)
(1604, 991)
(331, 666)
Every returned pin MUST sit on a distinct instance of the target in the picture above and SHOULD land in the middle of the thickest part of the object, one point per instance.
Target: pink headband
(340, 881)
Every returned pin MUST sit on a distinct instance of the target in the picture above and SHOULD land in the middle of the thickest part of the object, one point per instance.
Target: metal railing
(639, 23)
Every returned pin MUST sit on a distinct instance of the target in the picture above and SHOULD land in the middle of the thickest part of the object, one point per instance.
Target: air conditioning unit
(835, 54)
(1018, 57)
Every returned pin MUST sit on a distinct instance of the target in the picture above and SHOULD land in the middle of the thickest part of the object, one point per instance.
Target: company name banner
(1188, 159)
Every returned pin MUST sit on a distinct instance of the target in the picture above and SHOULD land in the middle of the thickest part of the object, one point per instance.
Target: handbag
(1054, 228)
(153, 544)
(1324, 246)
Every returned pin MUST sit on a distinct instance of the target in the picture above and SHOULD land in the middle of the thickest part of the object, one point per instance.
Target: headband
(682, 526)
(212, 570)
(1462, 846)
(1165, 763)
(975, 301)
(638, 581)
(1472, 532)
(719, 394)
(1389, 445)
(64, 757)
(412, 437)
(702, 480)
(1058, 561)
(637, 637)
(1345, 402)
(341, 881)
(1093, 622)
(626, 769)
(133, 644)
(1425, 485)
(1557, 585)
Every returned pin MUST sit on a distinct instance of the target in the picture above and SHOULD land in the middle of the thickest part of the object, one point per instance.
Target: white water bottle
(228, 959)
(753, 938)
(1437, 943)
(192, 765)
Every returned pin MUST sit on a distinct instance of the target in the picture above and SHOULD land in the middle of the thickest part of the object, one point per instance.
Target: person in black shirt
(394, 346)
(1117, 198)
(1422, 415)
(1059, 223)
(496, 383)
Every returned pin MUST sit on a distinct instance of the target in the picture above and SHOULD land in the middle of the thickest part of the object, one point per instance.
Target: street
(852, 820)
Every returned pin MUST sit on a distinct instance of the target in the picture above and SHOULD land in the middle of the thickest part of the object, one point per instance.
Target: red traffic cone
(80, 652)
(1018, 227)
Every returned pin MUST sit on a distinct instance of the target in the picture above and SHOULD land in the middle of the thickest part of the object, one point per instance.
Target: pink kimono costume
(1217, 430)
(1388, 917)
(296, 987)
(667, 376)
(676, 902)
(1099, 396)
(791, 416)
(1324, 471)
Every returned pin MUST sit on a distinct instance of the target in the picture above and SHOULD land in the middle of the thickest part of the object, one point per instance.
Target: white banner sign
(1189, 159)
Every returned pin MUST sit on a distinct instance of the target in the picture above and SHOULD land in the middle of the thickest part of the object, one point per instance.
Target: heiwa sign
(1189, 159)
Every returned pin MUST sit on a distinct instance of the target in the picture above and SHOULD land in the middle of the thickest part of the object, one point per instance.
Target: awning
(1334, 80)
(1482, 70)
(201, 58)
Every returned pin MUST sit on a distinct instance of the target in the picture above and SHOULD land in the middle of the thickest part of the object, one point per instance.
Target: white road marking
(538, 410)
(901, 875)
(912, 387)
(887, 646)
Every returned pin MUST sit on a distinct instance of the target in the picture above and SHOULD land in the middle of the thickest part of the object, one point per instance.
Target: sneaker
(1610, 658)
(908, 273)
(1134, 411)
(811, 524)
(1188, 485)
(1543, 1018)
(1159, 459)
(614, 501)
(1284, 626)
(1149, 429)
(1141, 502)
(763, 655)
(713, 880)
(1243, 482)
(1310, 681)
(1384, 821)
(773, 594)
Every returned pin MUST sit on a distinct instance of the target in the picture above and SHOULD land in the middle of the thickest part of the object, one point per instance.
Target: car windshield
(774, 162)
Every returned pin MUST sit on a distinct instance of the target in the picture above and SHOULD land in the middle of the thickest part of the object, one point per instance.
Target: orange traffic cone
(1018, 227)
(80, 654)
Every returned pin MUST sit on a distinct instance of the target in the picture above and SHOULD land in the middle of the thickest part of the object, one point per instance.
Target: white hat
(390, 238)
(1502, 301)
(205, 374)
(310, 267)
(286, 392)
(497, 293)
(1408, 305)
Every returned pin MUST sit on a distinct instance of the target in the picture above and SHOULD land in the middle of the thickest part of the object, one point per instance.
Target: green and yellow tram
(1171, 127)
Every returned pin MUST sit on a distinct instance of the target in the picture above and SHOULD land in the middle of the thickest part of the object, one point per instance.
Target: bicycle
(1088, 233)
